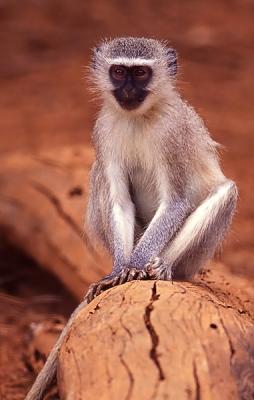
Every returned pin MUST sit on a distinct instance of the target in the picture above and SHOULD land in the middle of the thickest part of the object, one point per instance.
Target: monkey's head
(134, 73)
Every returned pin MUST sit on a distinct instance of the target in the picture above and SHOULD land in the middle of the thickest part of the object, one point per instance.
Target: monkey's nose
(129, 93)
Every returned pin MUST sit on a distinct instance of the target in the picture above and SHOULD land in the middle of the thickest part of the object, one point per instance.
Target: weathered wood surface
(157, 340)
(42, 207)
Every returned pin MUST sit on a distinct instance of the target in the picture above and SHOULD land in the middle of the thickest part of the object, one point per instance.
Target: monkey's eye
(141, 72)
(118, 72)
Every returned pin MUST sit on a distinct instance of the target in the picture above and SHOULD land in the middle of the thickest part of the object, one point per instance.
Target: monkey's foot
(127, 274)
(157, 269)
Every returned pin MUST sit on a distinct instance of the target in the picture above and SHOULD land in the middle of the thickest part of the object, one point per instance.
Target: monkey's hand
(126, 274)
(157, 269)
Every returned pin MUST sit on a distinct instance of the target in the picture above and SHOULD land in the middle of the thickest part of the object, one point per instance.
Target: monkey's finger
(94, 291)
(142, 274)
(116, 281)
(150, 271)
(91, 287)
(110, 281)
(90, 294)
(105, 284)
(123, 277)
(100, 288)
(133, 272)
(90, 297)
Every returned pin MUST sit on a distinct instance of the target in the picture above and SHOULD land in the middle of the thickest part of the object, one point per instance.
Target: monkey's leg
(199, 237)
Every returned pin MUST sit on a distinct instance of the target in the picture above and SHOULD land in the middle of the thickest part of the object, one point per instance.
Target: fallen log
(158, 340)
(42, 205)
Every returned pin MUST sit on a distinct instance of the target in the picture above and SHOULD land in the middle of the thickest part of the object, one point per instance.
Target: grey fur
(203, 249)
(131, 47)
(155, 175)
(187, 151)
(134, 47)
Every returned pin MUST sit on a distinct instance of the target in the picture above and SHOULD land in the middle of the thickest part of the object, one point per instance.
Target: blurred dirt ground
(32, 302)
(45, 102)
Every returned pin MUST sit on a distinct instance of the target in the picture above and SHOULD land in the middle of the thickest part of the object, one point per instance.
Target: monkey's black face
(130, 84)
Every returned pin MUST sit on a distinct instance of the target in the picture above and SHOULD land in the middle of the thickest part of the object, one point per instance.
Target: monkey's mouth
(130, 105)
(130, 101)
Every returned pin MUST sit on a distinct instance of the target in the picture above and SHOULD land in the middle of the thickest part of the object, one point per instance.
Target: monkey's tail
(46, 376)
(48, 373)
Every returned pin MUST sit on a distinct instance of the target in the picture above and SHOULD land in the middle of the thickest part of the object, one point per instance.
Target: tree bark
(158, 340)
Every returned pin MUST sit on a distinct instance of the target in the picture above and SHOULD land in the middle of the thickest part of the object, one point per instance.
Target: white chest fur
(134, 144)
(135, 148)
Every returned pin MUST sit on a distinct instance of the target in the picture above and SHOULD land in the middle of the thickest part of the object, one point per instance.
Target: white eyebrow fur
(129, 61)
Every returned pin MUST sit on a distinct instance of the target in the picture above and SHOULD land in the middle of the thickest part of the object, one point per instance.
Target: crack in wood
(57, 204)
(66, 217)
(11, 200)
(125, 327)
(109, 377)
(196, 378)
(152, 332)
(65, 260)
(231, 347)
(49, 162)
(130, 376)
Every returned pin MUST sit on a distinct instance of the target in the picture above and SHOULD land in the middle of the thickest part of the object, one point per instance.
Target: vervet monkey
(158, 198)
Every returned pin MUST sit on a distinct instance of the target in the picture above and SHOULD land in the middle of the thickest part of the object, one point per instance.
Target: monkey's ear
(172, 61)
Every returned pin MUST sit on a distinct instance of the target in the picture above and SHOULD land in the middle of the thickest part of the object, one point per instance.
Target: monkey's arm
(165, 223)
(110, 212)
(119, 227)
(121, 218)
